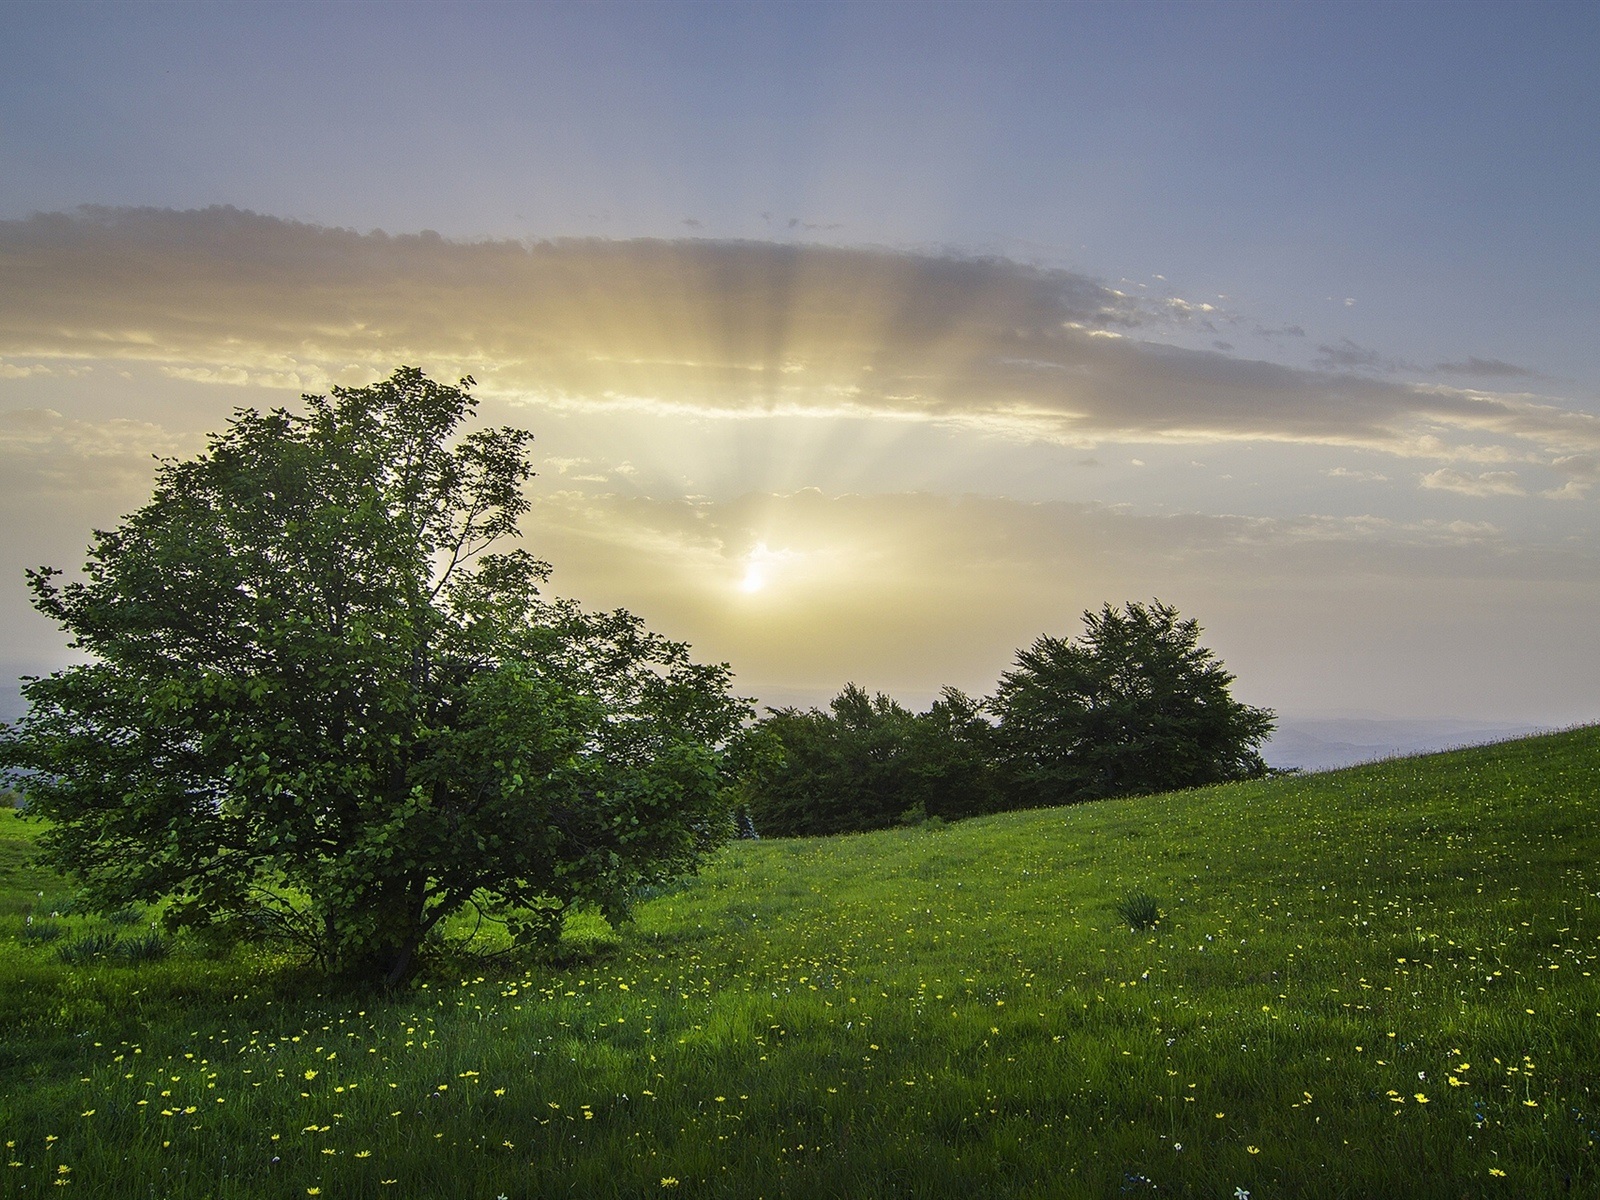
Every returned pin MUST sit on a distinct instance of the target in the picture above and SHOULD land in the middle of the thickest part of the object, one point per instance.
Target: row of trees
(868, 763)
(323, 704)
(1135, 705)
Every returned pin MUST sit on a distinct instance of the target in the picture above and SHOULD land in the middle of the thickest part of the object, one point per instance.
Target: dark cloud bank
(722, 328)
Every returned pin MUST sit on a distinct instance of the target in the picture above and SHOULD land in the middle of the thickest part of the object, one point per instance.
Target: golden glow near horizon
(826, 464)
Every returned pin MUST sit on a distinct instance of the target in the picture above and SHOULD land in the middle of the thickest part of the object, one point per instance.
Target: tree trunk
(388, 956)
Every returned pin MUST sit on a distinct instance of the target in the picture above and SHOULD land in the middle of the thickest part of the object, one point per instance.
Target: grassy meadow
(1377, 981)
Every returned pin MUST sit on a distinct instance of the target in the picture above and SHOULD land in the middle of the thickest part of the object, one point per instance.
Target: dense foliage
(1136, 705)
(869, 763)
(320, 705)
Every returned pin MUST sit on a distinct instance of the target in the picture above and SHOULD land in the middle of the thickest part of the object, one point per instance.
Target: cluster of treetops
(1134, 706)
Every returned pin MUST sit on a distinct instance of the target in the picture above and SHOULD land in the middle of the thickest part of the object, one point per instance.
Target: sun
(758, 565)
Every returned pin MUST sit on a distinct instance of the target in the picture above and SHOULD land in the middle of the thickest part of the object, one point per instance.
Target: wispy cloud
(1355, 475)
(865, 583)
(922, 544)
(1282, 331)
(1486, 368)
(1347, 356)
(1489, 483)
(45, 452)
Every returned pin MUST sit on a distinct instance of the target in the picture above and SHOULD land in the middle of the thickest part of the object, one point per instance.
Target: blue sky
(1432, 161)
(1348, 255)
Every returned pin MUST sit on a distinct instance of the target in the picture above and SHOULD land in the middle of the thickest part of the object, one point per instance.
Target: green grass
(958, 1011)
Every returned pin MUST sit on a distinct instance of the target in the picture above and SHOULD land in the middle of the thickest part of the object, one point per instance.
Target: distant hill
(1321, 744)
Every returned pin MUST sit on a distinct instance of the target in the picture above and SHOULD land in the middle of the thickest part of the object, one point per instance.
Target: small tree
(1137, 705)
(321, 707)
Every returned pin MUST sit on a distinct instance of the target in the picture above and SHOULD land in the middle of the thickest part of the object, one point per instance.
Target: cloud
(1582, 472)
(1185, 310)
(42, 451)
(1572, 489)
(1359, 476)
(1489, 483)
(1586, 466)
(918, 552)
(1348, 356)
(918, 589)
(583, 470)
(727, 330)
(1486, 368)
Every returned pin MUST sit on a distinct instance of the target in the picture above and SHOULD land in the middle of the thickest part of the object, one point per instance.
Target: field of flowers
(1378, 981)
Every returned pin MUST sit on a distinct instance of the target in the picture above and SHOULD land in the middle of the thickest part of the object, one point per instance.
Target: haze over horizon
(864, 342)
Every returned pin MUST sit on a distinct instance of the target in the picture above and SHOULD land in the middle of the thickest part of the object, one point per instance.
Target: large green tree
(1135, 705)
(322, 704)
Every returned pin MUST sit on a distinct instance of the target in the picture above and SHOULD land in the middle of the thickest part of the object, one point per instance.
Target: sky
(868, 342)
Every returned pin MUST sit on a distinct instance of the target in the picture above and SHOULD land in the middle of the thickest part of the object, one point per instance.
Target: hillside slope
(1375, 981)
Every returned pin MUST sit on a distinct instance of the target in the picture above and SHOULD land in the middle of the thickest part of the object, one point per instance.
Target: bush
(1136, 705)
